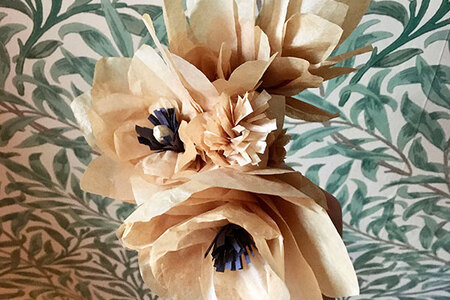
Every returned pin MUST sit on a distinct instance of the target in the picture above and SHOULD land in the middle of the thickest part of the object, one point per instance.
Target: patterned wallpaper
(386, 158)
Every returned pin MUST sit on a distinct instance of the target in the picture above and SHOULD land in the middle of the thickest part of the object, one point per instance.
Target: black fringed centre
(230, 244)
(170, 142)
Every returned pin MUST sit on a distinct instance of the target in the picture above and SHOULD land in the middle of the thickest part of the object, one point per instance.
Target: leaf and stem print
(386, 158)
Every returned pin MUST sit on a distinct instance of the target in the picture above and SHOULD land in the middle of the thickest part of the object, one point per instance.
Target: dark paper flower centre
(230, 244)
(164, 135)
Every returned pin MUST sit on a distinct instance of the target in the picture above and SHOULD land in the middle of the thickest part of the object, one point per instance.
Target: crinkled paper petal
(80, 107)
(108, 178)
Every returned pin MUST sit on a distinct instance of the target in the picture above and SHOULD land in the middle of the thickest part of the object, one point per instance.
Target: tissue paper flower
(239, 237)
(193, 135)
(144, 114)
(236, 131)
(301, 33)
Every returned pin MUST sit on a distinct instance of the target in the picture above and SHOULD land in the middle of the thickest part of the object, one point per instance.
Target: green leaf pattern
(386, 158)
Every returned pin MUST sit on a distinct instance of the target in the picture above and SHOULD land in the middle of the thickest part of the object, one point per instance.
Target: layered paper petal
(215, 198)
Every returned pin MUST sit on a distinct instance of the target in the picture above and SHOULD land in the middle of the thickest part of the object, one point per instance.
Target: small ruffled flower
(237, 130)
(222, 236)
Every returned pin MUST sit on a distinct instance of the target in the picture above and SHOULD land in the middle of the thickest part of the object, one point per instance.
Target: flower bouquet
(193, 135)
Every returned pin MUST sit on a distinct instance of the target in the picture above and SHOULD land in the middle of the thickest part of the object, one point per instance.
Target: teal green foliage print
(386, 158)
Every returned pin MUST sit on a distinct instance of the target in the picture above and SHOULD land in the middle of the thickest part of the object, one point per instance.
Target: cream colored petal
(296, 265)
(178, 30)
(213, 23)
(310, 37)
(224, 61)
(154, 202)
(161, 164)
(257, 281)
(111, 76)
(104, 137)
(145, 187)
(262, 45)
(271, 20)
(298, 109)
(108, 178)
(190, 151)
(227, 178)
(146, 271)
(147, 81)
(247, 41)
(247, 76)
(138, 236)
(356, 11)
(294, 7)
(118, 107)
(347, 55)
(80, 107)
(198, 85)
(328, 73)
(179, 275)
(246, 10)
(168, 73)
(284, 69)
(126, 142)
(322, 247)
(294, 87)
(160, 202)
(332, 10)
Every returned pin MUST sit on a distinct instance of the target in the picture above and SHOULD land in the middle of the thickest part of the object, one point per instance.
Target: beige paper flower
(138, 116)
(297, 252)
(301, 34)
(236, 131)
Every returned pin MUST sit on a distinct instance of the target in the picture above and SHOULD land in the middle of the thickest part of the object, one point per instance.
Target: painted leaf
(396, 58)
(313, 173)
(418, 117)
(436, 90)
(61, 167)
(438, 36)
(299, 141)
(44, 49)
(118, 31)
(389, 8)
(9, 30)
(95, 39)
(12, 126)
(5, 65)
(338, 177)
(17, 5)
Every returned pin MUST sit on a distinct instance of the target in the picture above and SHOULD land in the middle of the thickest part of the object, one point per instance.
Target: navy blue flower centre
(230, 244)
(164, 135)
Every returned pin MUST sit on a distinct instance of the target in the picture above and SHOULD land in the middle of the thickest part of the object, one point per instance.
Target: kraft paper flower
(139, 115)
(236, 131)
(301, 33)
(251, 236)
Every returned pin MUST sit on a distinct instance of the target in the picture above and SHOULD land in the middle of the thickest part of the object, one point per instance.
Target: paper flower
(193, 134)
(138, 116)
(280, 242)
(302, 34)
(236, 131)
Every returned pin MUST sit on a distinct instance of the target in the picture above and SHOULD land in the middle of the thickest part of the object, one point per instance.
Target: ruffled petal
(108, 178)
(111, 76)
(80, 107)
(271, 20)
(213, 23)
(322, 247)
(310, 37)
